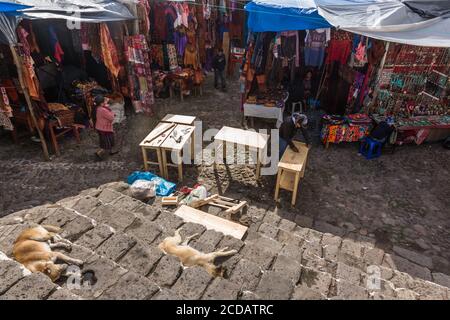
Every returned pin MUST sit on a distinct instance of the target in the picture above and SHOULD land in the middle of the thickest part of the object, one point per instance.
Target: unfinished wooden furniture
(153, 142)
(291, 169)
(230, 206)
(211, 222)
(251, 139)
(57, 132)
(175, 143)
(187, 120)
(179, 119)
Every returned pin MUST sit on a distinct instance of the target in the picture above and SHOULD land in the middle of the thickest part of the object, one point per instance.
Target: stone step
(118, 238)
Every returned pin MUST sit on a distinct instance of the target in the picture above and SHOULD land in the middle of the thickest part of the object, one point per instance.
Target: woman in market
(103, 118)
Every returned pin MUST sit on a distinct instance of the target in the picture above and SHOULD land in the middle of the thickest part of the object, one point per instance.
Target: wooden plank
(161, 129)
(287, 181)
(211, 222)
(243, 137)
(294, 161)
(204, 202)
(178, 119)
(180, 130)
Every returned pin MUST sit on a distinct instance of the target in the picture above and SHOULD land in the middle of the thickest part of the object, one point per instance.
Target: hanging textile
(339, 50)
(5, 111)
(28, 72)
(109, 51)
(315, 43)
(191, 57)
(139, 73)
(58, 52)
(143, 11)
(172, 53)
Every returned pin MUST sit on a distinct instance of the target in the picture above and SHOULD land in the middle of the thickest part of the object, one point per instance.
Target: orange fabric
(109, 51)
(191, 57)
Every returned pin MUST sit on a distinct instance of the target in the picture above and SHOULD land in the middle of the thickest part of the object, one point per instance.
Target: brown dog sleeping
(190, 257)
(33, 249)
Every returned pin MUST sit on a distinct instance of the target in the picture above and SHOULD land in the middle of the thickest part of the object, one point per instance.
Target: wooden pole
(19, 64)
(380, 72)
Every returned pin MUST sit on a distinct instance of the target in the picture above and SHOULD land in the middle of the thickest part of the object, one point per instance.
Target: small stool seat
(371, 148)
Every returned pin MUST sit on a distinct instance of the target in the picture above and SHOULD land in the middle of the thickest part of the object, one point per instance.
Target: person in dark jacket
(288, 131)
(219, 64)
(383, 131)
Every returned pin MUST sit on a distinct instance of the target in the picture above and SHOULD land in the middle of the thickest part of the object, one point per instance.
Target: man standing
(219, 64)
(289, 129)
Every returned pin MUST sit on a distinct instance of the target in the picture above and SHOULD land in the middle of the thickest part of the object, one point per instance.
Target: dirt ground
(401, 199)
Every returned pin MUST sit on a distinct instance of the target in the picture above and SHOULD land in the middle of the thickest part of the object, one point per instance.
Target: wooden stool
(53, 126)
(290, 170)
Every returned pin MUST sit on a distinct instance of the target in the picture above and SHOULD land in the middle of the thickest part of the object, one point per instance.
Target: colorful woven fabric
(109, 51)
(139, 73)
(344, 133)
(172, 52)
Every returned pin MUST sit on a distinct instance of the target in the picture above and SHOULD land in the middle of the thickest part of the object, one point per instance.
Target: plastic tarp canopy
(422, 23)
(277, 16)
(78, 10)
(414, 22)
(8, 21)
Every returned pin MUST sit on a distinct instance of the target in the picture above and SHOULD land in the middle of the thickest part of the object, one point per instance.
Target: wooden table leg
(145, 157)
(225, 152)
(14, 135)
(76, 133)
(193, 148)
(165, 173)
(277, 189)
(160, 162)
(180, 166)
(54, 140)
(258, 165)
(296, 186)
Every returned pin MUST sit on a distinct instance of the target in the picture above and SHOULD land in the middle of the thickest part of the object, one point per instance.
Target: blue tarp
(7, 7)
(414, 22)
(163, 187)
(264, 16)
(9, 13)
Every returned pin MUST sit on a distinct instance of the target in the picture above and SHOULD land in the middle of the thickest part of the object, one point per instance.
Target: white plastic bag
(200, 193)
(143, 190)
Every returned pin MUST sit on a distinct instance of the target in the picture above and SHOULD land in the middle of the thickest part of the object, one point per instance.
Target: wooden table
(178, 119)
(187, 132)
(291, 169)
(153, 142)
(186, 120)
(245, 138)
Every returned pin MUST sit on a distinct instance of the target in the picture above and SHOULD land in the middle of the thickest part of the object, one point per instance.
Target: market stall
(398, 69)
(184, 37)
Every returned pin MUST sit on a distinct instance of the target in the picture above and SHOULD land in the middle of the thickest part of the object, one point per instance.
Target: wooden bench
(290, 170)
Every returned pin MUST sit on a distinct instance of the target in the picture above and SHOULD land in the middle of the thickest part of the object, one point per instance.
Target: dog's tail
(52, 228)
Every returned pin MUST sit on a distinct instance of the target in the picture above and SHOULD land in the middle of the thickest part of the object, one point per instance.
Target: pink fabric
(105, 118)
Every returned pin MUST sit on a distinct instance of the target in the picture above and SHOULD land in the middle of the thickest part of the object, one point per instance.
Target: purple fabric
(209, 59)
(180, 42)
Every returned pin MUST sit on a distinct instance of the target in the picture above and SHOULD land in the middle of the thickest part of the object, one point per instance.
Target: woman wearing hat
(103, 118)
(289, 130)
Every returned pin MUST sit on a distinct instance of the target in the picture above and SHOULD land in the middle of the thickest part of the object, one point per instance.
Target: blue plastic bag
(163, 187)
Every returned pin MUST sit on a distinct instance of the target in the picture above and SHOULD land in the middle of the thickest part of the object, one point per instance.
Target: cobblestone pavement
(400, 203)
(117, 238)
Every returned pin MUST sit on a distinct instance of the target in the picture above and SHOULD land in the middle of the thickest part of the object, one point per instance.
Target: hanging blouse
(191, 56)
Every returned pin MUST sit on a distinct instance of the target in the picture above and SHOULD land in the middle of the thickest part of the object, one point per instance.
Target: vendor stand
(270, 106)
